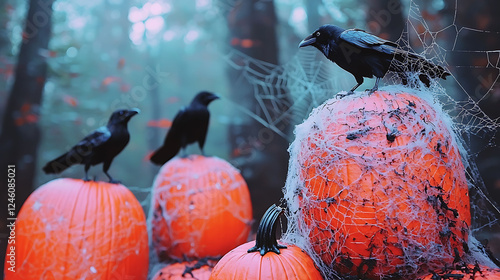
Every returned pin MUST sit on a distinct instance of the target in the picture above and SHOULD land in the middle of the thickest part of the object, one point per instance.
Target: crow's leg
(375, 87)
(183, 152)
(87, 167)
(201, 143)
(105, 168)
(359, 80)
(183, 144)
(353, 89)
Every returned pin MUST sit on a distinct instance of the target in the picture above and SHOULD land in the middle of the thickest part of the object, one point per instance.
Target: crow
(101, 146)
(190, 125)
(365, 55)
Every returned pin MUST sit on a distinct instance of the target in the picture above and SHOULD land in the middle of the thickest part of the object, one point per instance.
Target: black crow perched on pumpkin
(189, 125)
(365, 55)
(101, 146)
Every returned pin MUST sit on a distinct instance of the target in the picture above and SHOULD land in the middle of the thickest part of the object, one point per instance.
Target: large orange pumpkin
(469, 272)
(264, 258)
(377, 186)
(201, 208)
(72, 229)
(195, 270)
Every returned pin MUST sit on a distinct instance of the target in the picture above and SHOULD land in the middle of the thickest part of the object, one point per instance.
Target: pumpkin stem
(266, 233)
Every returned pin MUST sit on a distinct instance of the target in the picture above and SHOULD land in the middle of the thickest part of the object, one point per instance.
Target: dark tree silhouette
(479, 79)
(314, 19)
(20, 133)
(252, 26)
(384, 18)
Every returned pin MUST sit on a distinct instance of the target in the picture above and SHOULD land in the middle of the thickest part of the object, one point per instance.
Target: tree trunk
(477, 73)
(153, 133)
(5, 50)
(257, 150)
(20, 133)
(313, 16)
(384, 18)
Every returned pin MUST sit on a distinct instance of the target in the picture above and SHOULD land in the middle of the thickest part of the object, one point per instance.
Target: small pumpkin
(196, 270)
(377, 186)
(201, 208)
(264, 258)
(75, 229)
(466, 272)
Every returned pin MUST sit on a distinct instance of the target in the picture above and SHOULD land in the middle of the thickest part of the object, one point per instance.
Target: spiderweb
(311, 80)
(199, 203)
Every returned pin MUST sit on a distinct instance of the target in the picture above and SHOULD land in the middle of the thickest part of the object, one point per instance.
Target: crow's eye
(317, 34)
(121, 113)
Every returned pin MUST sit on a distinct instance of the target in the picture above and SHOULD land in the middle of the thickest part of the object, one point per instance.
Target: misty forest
(66, 66)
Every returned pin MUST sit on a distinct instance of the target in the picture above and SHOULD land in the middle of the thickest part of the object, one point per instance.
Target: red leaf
(247, 43)
(47, 53)
(8, 71)
(173, 99)
(121, 63)
(236, 152)
(9, 8)
(235, 42)
(163, 123)
(124, 87)
(19, 121)
(25, 108)
(25, 36)
(109, 80)
(147, 157)
(78, 121)
(70, 100)
(31, 118)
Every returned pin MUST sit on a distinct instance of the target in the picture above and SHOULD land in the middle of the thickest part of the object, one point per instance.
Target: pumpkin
(264, 258)
(196, 270)
(75, 229)
(377, 186)
(201, 208)
(468, 272)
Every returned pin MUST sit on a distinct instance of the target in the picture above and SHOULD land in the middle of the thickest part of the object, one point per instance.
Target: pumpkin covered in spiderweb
(376, 187)
(201, 208)
(194, 270)
(464, 272)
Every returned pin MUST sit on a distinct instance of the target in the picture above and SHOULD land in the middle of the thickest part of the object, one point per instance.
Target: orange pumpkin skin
(264, 258)
(72, 229)
(484, 273)
(177, 271)
(292, 263)
(380, 186)
(201, 208)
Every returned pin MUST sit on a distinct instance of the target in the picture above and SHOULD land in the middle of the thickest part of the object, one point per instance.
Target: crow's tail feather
(409, 62)
(59, 164)
(164, 154)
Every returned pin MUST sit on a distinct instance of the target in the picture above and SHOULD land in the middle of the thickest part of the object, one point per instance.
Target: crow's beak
(132, 112)
(309, 40)
(215, 96)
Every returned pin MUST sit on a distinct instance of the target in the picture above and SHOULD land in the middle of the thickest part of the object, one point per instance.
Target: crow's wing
(366, 40)
(179, 124)
(189, 124)
(409, 61)
(173, 140)
(97, 138)
(203, 118)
